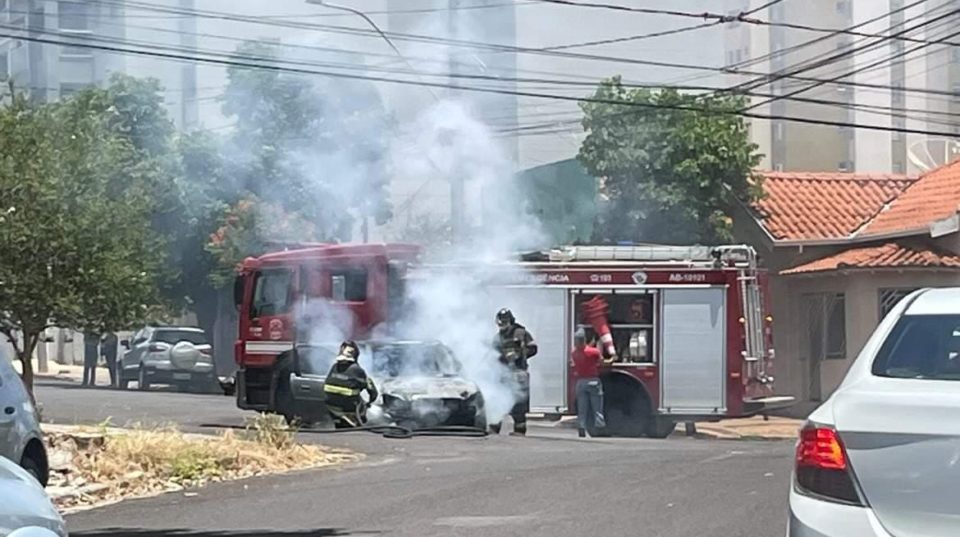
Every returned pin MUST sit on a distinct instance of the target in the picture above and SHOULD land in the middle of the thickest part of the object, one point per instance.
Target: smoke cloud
(439, 141)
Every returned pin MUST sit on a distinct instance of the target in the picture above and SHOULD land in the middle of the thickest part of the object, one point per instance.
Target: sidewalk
(776, 428)
(69, 372)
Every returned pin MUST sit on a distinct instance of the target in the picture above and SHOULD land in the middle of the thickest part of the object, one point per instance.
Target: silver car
(20, 438)
(881, 457)
(180, 356)
(25, 510)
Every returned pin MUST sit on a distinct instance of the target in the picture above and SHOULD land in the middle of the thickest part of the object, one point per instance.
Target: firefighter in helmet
(515, 346)
(343, 386)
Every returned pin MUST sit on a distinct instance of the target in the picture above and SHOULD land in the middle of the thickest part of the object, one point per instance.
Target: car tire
(35, 468)
(143, 383)
(122, 382)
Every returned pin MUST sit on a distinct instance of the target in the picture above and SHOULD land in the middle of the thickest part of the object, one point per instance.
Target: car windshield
(400, 360)
(176, 336)
(921, 347)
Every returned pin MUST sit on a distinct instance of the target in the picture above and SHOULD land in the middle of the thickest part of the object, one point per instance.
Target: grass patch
(108, 465)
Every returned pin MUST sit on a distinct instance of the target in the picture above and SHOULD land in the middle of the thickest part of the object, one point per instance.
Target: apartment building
(881, 81)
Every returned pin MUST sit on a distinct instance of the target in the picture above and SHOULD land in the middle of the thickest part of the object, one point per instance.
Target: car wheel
(34, 462)
(480, 422)
(122, 382)
(143, 382)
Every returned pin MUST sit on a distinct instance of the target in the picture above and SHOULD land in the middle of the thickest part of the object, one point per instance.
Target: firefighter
(343, 386)
(515, 346)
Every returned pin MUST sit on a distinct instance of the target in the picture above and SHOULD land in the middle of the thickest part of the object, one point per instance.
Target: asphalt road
(549, 484)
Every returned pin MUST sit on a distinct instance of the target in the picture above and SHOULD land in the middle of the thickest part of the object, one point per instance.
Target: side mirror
(125, 343)
(238, 291)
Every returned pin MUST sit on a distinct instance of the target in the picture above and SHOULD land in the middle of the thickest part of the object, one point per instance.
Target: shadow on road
(127, 532)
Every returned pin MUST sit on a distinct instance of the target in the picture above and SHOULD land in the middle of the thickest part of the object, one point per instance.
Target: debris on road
(94, 466)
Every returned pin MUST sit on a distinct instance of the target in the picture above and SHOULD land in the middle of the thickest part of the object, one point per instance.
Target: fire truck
(690, 326)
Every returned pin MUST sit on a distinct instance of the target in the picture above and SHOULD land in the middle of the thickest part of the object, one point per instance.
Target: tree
(668, 174)
(310, 148)
(76, 244)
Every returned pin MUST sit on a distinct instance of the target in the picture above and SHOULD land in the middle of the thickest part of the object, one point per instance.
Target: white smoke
(439, 141)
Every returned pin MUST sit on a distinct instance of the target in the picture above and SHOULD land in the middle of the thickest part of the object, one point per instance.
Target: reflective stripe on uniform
(340, 390)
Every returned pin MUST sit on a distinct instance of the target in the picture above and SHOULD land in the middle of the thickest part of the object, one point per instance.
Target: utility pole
(457, 219)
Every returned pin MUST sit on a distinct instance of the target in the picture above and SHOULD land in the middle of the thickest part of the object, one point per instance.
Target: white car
(180, 356)
(25, 510)
(881, 457)
(20, 438)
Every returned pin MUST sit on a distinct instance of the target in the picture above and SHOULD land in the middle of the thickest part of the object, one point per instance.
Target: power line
(237, 60)
(764, 6)
(879, 62)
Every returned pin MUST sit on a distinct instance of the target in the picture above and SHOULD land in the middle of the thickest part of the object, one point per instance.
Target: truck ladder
(707, 256)
(751, 299)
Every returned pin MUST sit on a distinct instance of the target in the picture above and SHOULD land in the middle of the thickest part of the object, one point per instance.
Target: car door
(131, 358)
(311, 365)
(9, 406)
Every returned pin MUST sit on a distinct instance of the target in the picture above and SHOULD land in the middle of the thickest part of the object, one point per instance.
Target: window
(74, 16)
(826, 324)
(69, 88)
(271, 293)
(349, 285)
(75, 52)
(921, 347)
(176, 336)
(631, 319)
(890, 297)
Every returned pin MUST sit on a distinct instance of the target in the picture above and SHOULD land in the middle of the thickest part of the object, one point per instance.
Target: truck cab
(319, 293)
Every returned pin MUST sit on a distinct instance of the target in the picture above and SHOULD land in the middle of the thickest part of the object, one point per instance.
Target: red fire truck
(689, 325)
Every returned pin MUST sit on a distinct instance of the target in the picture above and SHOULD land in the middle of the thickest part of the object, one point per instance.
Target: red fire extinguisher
(594, 311)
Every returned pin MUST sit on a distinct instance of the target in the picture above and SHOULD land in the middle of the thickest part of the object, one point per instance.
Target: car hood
(428, 388)
(903, 440)
(25, 504)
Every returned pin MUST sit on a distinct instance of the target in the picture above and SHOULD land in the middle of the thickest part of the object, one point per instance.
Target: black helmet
(349, 349)
(505, 318)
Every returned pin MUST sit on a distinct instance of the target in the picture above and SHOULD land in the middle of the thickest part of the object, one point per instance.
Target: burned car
(421, 384)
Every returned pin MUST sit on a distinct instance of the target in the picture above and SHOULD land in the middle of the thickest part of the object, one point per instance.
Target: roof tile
(891, 255)
(935, 196)
(823, 205)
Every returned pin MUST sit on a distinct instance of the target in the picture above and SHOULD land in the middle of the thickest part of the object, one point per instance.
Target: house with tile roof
(842, 249)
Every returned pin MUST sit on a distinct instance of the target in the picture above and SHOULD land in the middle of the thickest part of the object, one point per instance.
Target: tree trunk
(25, 354)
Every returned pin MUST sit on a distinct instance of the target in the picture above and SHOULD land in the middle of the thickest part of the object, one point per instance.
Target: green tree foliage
(306, 150)
(76, 246)
(671, 168)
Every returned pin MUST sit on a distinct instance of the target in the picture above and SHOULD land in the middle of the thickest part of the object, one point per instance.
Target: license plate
(181, 376)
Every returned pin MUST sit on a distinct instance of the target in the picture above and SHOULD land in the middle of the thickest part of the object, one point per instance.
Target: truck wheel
(625, 407)
(661, 427)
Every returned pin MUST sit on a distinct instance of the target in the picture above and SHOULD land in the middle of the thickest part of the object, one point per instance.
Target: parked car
(20, 438)
(881, 457)
(25, 509)
(175, 355)
(420, 383)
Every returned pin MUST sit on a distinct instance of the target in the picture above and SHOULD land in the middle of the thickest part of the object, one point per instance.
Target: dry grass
(108, 466)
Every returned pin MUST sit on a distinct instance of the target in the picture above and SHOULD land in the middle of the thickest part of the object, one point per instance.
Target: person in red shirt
(586, 361)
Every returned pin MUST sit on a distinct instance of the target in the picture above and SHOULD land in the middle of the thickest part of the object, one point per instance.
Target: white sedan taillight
(822, 466)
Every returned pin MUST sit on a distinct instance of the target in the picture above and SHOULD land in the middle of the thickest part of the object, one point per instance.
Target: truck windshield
(271, 293)
(921, 347)
(400, 360)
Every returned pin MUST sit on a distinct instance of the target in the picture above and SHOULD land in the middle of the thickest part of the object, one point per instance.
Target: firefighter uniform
(343, 386)
(516, 346)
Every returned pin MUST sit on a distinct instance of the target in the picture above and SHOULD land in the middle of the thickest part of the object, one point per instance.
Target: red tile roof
(891, 255)
(935, 196)
(823, 205)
